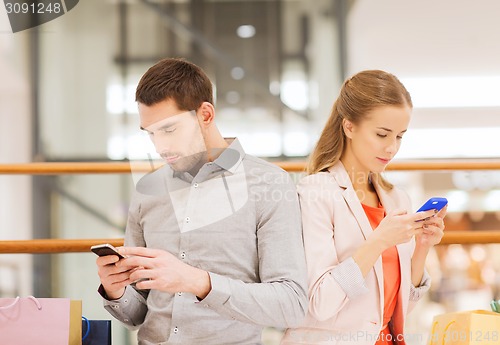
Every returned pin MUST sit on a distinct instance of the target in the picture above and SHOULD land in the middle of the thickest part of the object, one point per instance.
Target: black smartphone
(106, 249)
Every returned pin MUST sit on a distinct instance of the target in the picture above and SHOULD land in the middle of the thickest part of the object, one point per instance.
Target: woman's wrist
(377, 243)
(421, 248)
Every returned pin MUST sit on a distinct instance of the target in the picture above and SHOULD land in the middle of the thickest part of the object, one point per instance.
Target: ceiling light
(237, 73)
(454, 92)
(245, 31)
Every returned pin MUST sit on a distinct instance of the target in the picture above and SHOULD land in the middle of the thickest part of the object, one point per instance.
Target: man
(213, 243)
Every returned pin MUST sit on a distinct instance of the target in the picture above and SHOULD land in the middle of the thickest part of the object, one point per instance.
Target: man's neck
(215, 148)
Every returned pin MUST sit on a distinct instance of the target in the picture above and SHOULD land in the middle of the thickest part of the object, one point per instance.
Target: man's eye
(168, 130)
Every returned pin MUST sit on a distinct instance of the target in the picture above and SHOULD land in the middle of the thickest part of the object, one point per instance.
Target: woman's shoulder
(320, 179)
(320, 187)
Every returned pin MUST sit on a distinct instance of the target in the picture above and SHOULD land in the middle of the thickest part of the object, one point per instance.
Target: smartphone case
(433, 203)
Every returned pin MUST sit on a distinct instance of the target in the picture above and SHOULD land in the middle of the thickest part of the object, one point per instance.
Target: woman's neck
(360, 178)
(361, 183)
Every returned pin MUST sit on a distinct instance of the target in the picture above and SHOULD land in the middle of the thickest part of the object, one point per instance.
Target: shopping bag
(474, 327)
(495, 306)
(40, 321)
(96, 332)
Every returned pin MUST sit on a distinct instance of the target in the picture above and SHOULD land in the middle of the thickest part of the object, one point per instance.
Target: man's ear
(206, 113)
(348, 127)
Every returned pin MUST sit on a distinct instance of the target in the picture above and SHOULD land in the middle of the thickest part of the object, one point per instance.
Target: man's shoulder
(153, 183)
(262, 166)
(264, 173)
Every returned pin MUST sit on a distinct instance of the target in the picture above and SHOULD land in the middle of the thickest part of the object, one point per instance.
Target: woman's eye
(399, 137)
(382, 135)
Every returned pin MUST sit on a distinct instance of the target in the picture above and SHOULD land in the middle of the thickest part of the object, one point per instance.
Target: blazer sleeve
(331, 283)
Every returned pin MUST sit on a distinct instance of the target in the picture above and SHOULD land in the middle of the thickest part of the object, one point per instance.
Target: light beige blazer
(344, 308)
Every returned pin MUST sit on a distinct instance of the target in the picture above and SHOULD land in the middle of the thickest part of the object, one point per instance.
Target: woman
(365, 247)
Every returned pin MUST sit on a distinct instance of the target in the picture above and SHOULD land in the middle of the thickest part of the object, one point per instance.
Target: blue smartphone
(435, 203)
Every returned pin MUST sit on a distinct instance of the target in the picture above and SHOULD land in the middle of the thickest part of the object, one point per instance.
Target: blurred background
(67, 94)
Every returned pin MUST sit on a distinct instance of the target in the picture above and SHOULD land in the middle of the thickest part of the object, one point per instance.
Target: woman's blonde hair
(359, 95)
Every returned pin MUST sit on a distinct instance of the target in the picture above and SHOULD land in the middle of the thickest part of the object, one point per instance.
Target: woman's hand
(433, 230)
(399, 227)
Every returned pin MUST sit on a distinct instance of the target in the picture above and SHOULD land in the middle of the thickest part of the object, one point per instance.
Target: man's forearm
(198, 282)
(277, 304)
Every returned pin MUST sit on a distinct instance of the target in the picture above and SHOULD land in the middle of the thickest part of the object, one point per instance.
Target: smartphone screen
(106, 249)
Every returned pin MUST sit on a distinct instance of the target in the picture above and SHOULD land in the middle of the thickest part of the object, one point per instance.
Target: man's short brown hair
(176, 79)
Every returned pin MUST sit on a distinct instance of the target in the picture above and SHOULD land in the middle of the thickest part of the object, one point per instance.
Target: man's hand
(160, 270)
(114, 279)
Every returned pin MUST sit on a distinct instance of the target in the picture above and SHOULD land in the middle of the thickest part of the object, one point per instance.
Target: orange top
(392, 274)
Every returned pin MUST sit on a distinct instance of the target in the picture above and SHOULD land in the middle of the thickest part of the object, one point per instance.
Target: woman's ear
(347, 126)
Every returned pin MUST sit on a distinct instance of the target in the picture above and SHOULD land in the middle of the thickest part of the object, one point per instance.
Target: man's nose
(160, 142)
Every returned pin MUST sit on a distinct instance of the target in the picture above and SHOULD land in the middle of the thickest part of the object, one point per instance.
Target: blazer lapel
(388, 200)
(390, 204)
(354, 204)
(385, 199)
(339, 173)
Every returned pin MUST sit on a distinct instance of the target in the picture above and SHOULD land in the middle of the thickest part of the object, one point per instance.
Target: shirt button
(176, 330)
(195, 185)
(187, 219)
(183, 255)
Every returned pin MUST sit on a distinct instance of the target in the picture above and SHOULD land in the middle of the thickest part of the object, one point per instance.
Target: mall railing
(83, 245)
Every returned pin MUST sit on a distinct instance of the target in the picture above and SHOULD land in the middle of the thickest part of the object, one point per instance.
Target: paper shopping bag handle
(38, 305)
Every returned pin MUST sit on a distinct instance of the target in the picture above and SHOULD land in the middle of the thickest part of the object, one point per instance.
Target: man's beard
(191, 163)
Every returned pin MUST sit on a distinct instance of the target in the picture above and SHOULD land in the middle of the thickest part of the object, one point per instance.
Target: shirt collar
(228, 161)
(232, 156)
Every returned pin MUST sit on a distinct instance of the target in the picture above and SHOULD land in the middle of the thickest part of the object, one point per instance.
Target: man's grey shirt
(238, 219)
